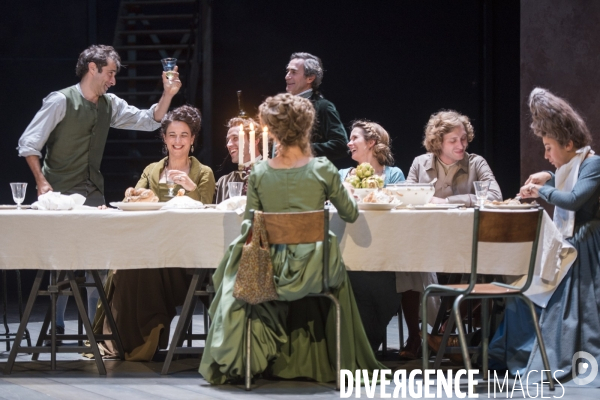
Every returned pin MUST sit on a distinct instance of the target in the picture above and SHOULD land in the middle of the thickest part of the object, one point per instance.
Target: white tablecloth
(400, 240)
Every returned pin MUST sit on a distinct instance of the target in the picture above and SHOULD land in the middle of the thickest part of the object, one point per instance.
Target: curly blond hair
(381, 149)
(441, 123)
(554, 118)
(290, 120)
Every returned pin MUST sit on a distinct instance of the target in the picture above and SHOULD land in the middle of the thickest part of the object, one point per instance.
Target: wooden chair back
(513, 227)
(295, 227)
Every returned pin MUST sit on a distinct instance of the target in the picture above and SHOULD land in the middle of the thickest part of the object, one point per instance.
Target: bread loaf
(133, 195)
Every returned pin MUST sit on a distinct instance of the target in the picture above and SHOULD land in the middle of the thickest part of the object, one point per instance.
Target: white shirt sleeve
(125, 116)
(35, 136)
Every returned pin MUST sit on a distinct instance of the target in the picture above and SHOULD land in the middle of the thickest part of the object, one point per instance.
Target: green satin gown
(291, 337)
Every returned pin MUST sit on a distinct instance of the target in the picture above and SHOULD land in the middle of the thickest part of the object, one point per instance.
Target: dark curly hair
(441, 123)
(381, 149)
(290, 120)
(188, 114)
(98, 54)
(554, 118)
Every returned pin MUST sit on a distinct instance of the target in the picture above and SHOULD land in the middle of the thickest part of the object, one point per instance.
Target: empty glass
(169, 66)
(481, 190)
(235, 188)
(18, 192)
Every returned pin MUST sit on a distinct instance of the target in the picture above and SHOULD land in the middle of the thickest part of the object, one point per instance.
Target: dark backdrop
(392, 62)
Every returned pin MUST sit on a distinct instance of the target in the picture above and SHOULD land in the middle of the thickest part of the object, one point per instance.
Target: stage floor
(77, 378)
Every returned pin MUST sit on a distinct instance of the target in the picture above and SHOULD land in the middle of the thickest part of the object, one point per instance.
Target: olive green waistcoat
(75, 147)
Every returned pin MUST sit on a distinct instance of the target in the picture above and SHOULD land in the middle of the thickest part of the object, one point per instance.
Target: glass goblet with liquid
(18, 192)
(170, 184)
(168, 66)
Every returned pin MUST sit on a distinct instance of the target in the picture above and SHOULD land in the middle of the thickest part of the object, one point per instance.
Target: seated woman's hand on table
(182, 179)
(438, 200)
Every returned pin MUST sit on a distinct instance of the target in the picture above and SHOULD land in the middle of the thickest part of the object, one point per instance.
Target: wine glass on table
(168, 66)
(481, 191)
(18, 192)
(235, 188)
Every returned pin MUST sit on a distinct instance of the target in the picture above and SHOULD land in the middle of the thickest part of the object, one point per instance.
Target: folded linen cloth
(57, 201)
(237, 204)
(182, 202)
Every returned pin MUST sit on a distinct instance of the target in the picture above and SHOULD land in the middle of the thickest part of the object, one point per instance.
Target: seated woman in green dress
(144, 300)
(302, 345)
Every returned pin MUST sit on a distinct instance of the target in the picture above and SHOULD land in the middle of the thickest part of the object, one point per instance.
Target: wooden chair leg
(5, 309)
(24, 320)
(20, 302)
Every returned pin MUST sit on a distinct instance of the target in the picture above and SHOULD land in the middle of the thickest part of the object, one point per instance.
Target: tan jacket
(457, 186)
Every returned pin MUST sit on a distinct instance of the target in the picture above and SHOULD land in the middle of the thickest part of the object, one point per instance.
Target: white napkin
(237, 204)
(57, 201)
(182, 202)
(565, 179)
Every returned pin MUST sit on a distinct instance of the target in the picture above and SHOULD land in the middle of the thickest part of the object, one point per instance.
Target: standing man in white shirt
(73, 124)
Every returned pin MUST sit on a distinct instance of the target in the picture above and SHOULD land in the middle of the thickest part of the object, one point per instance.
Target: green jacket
(329, 138)
(202, 176)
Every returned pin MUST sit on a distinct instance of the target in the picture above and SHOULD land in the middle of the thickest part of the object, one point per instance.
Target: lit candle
(265, 140)
(252, 143)
(241, 146)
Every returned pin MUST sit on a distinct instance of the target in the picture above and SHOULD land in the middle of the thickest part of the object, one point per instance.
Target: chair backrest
(298, 228)
(506, 227)
(295, 227)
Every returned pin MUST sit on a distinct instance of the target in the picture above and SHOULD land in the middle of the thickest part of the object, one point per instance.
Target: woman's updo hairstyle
(290, 120)
(381, 149)
(555, 118)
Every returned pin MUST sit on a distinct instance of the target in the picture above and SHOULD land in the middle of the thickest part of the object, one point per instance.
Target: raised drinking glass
(169, 66)
(18, 192)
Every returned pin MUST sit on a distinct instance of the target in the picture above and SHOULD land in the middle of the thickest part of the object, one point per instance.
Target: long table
(398, 240)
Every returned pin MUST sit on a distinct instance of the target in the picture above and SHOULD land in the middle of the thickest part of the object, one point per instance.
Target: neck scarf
(564, 180)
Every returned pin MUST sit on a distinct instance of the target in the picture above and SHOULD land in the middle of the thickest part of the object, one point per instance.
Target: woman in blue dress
(571, 320)
(375, 292)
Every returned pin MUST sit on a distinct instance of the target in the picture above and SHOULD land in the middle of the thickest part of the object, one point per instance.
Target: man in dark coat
(303, 78)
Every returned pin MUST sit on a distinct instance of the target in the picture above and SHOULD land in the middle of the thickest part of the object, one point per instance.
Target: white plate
(139, 206)
(438, 206)
(511, 206)
(12, 207)
(377, 206)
